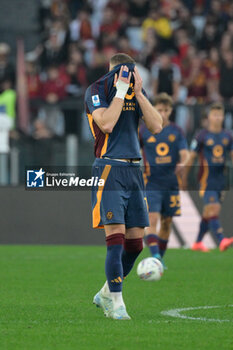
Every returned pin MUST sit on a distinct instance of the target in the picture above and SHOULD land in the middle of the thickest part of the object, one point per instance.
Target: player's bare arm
(189, 164)
(106, 118)
(184, 158)
(152, 118)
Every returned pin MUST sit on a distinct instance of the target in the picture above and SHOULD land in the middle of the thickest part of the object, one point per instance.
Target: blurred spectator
(54, 88)
(76, 57)
(49, 123)
(150, 49)
(74, 89)
(8, 100)
(75, 6)
(50, 120)
(53, 51)
(110, 24)
(226, 43)
(209, 38)
(182, 43)
(97, 7)
(98, 67)
(7, 71)
(81, 28)
(166, 76)
(195, 78)
(161, 24)
(212, 63)
(198, 20)
(118, 6)
(138, 10)
(59, 9)
(123, 45)
(33, 78)
(185, 21)
(226, 77)
(217, 16)
(61, 28)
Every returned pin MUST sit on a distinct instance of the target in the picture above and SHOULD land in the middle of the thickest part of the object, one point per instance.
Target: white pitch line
(177, 313)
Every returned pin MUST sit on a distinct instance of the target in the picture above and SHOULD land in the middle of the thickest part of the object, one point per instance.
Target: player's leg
(132, 248)
(155, 198)
(170, 207)
(114, 268)
(108, 212)
(203, 228)
(151, 237)
(164, 233)
(110, 296)
(212, 214)
(136, 219)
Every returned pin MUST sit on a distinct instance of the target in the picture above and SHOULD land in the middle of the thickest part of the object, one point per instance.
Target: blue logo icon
(96, 100)
(35, 178)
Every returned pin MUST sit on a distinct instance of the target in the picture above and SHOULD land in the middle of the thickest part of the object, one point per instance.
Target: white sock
(117, 299)
(105, 289)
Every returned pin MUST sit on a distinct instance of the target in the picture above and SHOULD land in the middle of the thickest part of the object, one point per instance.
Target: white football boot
(119, 314)
(104, 302)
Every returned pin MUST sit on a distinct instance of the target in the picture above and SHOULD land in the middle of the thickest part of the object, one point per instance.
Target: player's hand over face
(124, 75)
(137, 82)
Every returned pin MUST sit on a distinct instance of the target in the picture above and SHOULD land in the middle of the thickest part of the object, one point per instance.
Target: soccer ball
(150, 269)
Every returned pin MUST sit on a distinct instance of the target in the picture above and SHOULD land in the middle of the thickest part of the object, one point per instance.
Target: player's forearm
(189, 164)
(111, 115)
(152, 118)
(184, 157)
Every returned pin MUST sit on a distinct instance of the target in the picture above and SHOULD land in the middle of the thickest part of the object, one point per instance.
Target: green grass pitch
(46, 297)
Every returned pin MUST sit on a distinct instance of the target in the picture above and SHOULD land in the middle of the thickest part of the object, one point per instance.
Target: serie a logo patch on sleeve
(96, 100)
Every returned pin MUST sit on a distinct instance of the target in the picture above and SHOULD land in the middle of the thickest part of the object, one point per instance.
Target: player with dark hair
(114, 105)
(212, 145)
(165, 157)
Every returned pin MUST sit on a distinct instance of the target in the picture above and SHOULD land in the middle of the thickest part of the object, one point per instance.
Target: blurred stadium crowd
(183, 47)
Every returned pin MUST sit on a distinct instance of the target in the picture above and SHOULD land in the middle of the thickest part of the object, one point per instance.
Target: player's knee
(134, 233)
(114, 229)
(211, 210)
(153, 217)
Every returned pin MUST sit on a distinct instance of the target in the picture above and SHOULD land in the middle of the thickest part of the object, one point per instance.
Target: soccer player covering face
(212, 145)
(165, 156)
(114, 105)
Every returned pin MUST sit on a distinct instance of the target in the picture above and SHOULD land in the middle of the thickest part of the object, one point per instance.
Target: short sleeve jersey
(212, 149)
(123, 142)
(161, 154)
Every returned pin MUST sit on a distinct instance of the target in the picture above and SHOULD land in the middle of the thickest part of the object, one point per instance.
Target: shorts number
(175, 201)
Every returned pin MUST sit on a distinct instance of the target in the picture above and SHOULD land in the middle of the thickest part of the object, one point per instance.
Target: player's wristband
(122, 89)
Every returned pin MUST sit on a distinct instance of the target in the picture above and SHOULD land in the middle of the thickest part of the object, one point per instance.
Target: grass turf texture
(46, 297)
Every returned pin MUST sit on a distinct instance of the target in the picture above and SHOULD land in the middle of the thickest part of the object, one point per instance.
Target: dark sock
(204, 226)
(113, 263)
(132, 248)
(216, 228)
(162, 246)
(152, 243)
